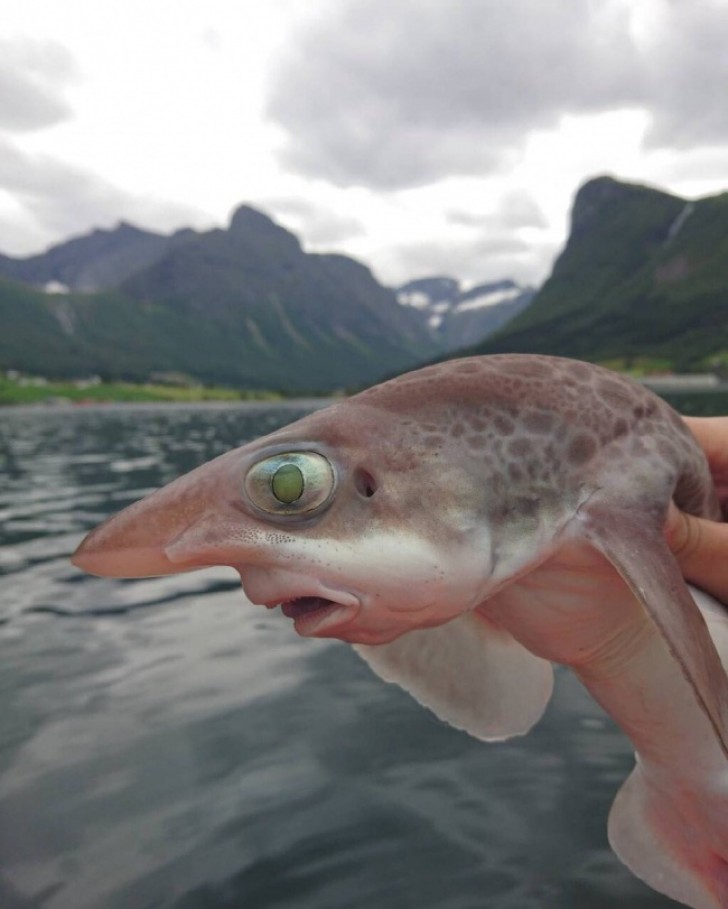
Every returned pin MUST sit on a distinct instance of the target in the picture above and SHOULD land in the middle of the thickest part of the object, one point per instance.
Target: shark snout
(190, 523)
(131, 544)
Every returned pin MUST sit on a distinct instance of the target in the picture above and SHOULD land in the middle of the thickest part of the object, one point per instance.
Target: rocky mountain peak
(598, 198)
(248, 223)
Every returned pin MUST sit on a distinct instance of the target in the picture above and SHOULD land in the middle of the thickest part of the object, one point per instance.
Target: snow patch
(413, 298)
(489, 299)
(55, 287)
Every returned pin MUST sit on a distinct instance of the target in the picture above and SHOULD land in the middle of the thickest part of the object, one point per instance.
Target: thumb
(701, 549)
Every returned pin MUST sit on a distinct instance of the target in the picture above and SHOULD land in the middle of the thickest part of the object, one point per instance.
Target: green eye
(293, 482)
(287, 484)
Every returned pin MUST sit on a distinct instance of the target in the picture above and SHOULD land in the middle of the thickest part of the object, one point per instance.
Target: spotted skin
(540, 419)
(488, 517)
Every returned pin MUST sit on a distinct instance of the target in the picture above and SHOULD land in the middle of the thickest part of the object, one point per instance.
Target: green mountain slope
(644, 274)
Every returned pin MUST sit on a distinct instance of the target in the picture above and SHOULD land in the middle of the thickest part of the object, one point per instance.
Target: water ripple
(169, 745)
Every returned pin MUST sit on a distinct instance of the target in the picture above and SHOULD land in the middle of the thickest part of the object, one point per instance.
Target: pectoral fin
(470, 673)
(638, 551)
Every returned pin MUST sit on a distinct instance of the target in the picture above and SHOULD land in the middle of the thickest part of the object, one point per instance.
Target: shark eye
(294, 482)
(287, 484)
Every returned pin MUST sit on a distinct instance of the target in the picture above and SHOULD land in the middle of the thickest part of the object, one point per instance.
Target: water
(165, 745)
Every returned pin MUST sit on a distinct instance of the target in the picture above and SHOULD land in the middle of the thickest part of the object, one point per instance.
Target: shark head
(356, 522)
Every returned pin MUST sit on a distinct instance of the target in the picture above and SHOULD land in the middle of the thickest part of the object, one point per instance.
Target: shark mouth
(302, 606)
(312, 615)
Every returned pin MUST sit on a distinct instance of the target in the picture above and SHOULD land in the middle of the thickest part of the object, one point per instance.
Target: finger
(701, 549)
(712, 436)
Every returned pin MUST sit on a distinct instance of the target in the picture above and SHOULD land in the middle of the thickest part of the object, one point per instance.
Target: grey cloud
(394, 95)
(466, 218)
(706, 163)
(31, 76)
(486, 258)
(331, 229)
(210, 37)
(401, 94)
(288, 205)
(405, 155)
(313, 224)
(59, 196)
(62, 200)
(517, 209)
(18, 237)
(688, 76)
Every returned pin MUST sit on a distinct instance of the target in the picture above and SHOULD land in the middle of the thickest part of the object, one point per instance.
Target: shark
(465, 527)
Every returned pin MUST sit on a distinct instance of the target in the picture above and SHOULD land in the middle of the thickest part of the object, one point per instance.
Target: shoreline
(209, 404)
(38, 392)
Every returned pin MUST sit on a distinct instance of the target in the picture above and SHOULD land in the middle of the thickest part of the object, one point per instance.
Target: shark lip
(311, 603)
(313, 614)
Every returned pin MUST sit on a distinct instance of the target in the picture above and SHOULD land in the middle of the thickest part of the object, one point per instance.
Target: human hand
(701, 546)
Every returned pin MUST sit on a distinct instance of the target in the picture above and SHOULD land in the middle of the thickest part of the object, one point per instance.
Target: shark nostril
(365, 484)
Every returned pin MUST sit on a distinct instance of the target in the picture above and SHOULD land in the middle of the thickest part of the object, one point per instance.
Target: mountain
(100, 260)
(458, 318)
(643, 275)
(243, 306)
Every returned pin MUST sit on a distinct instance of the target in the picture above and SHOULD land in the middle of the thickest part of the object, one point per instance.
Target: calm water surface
(163, 743)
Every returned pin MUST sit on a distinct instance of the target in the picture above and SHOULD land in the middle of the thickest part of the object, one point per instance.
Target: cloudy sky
(421, 136)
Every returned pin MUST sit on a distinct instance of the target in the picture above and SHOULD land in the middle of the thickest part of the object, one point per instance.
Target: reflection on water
(163, 743)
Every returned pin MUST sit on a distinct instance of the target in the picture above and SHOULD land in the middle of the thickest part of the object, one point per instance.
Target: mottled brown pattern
(581, 449)
(566, 422)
